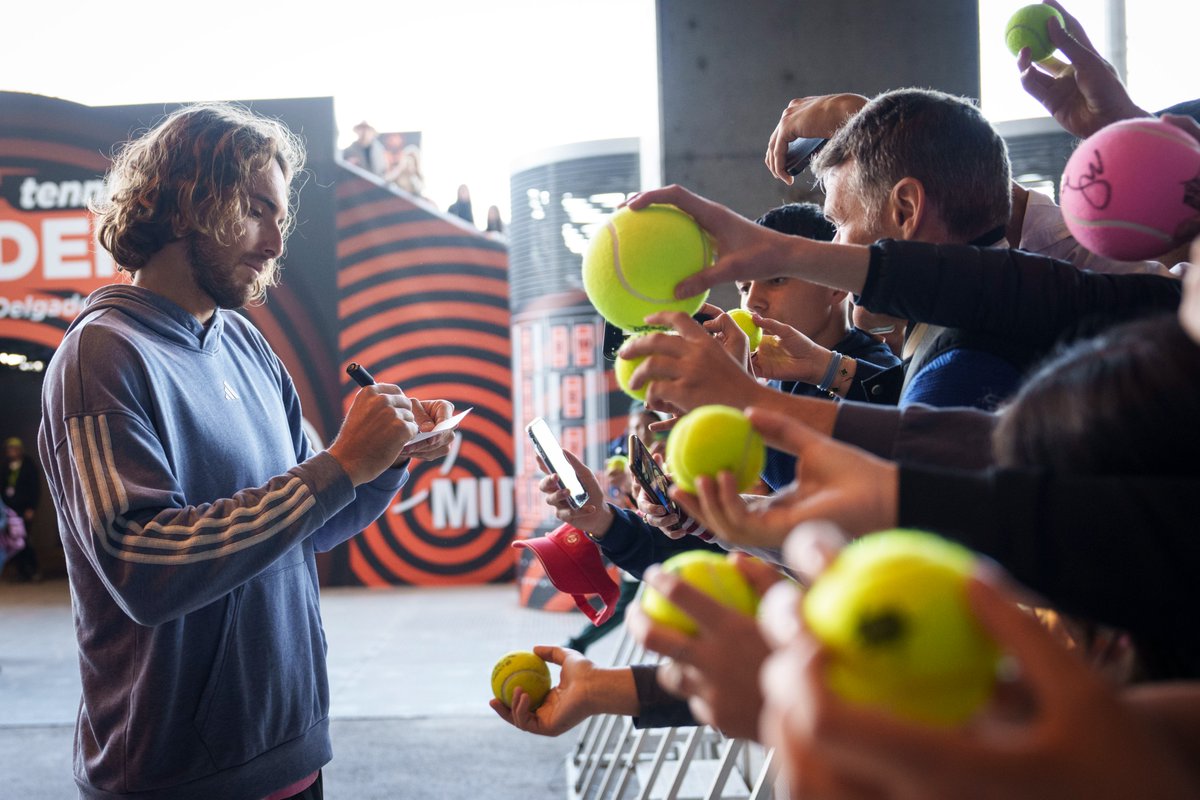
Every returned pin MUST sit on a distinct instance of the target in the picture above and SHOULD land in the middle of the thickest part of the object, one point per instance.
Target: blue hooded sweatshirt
(190, 505)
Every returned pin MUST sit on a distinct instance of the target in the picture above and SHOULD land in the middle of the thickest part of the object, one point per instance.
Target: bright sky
(486, 82)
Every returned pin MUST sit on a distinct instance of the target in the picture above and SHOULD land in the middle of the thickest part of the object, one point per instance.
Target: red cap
(572, 563)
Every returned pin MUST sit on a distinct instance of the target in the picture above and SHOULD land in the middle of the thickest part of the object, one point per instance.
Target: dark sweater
(1121, 551)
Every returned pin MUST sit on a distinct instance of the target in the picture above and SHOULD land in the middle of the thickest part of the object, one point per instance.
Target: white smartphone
(552, 456)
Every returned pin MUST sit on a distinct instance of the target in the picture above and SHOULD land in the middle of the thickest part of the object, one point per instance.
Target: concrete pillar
(729, 67)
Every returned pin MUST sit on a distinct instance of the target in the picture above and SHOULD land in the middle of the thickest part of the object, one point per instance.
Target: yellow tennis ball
(521, 668)
(623, 368)
(893, 610)
(712, 439)
(1027, 28)
(711, 573)
(745, 321)
(635, 260)
(617, 462)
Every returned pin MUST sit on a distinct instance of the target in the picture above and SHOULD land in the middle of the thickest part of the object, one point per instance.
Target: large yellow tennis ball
(711, 573)
(1027, 28)
(635, 260)
(745, 321)
(521, 668)
(893, 610)
(712, 439)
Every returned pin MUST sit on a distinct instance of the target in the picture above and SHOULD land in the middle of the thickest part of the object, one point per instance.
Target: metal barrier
(613, 760)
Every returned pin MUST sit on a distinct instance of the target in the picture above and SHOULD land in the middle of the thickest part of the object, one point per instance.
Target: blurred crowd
(939, 353)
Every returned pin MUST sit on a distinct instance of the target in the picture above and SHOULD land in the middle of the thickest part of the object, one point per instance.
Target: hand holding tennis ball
(524, 669)
(635, 260)
(712, 439)
(711, 573)
(1027, 28)
(745, 321)
(893, 611)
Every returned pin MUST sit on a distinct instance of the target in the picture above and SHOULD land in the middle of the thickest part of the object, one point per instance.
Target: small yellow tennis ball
(745, 321)
(623, 368)
(521, 668)
(711, 573)
(893, 610)
(1027, 28)
(712, 439)
(635, 260)
(617, 462)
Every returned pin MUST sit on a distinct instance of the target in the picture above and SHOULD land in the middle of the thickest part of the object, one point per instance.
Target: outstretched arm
(1086, 97)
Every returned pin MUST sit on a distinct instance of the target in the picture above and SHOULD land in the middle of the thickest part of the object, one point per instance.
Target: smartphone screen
(647, 473)
(551, 453)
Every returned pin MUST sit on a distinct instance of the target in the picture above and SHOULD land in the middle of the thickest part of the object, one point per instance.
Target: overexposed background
(485, 82)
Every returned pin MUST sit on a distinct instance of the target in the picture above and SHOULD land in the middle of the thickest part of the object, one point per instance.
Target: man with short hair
(921, 165)
(190, 502)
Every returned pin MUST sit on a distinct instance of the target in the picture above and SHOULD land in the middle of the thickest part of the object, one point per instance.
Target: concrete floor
(409, 678)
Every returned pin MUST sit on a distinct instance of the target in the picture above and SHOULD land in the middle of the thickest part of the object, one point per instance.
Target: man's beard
(219, 279)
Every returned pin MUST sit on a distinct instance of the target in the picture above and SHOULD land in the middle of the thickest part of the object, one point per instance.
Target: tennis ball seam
(1124, 224)
(620, 273)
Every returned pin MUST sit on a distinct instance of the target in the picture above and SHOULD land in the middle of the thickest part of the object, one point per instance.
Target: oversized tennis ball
(521, 668)
(1027, 28)
(1129, 185)
(745, 321)
(711, 573)
(893, 610)
(711, 439)
(635, 260)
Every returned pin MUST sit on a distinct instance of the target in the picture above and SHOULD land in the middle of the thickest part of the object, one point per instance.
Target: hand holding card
(443, 426)
(363, 377)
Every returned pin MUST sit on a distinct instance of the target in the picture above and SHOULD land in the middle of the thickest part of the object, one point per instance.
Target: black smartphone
(800, 152)
(552, 456)
(651, 478)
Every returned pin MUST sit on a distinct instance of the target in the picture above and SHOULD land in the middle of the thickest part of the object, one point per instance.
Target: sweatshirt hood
(161, 316)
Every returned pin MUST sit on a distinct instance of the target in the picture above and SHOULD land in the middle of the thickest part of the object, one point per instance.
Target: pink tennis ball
(1129, 186)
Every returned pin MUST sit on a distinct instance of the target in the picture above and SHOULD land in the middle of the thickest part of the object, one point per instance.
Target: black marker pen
(360, 374)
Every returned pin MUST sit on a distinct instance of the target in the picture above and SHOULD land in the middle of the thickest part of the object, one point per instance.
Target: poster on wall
(48, 260)
(369, 276)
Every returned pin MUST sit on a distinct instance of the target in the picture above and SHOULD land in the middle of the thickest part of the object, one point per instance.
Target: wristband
(827, 381)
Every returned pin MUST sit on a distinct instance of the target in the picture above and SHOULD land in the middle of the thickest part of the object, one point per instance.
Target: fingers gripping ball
(893, 611)
(711, 573)
(745, 321)
(712, 439)
(635, 260)
(1027, 28)
(1128, 187)
(521, 668)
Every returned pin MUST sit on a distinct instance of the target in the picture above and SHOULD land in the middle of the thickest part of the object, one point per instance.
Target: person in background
(22, 490)
(495, 225)
(461, 207)
(12, 533)
(366, 151)
(406, 172)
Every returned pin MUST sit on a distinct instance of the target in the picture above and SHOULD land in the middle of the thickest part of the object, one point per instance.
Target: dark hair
(941, 140)
(1121, 403)
(799, 219)
(191, 174)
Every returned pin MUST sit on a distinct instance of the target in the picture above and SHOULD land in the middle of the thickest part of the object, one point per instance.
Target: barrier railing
(613, 760)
